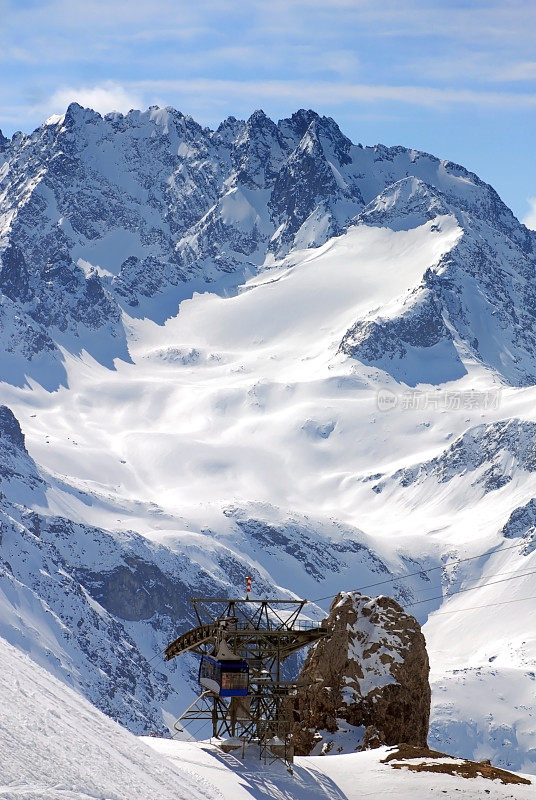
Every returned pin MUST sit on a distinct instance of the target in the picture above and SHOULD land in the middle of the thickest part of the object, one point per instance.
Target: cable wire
(470, 589)
(488, 605)
(441, 596)
(422, 571)
(158, 655)
(495, 575)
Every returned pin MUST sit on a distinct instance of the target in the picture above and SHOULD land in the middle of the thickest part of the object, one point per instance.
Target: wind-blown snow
(242, 435)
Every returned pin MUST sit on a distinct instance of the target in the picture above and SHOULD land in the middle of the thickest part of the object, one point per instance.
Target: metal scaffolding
(264, 633)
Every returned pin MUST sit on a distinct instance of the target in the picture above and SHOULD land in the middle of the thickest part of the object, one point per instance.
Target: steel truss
(263, 632)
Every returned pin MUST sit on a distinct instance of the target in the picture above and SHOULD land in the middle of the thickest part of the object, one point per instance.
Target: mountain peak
(259, 127)
(309, 126)
(406, 203)
(258, 117)
(173, 202)
(299, 121)
(77, 114)
(228, 130)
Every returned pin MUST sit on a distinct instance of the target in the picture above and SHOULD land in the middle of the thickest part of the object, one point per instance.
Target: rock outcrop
(367, 684)
(19, 477)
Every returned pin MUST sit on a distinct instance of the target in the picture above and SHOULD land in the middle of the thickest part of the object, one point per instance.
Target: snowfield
(264, 351)
(57, 746)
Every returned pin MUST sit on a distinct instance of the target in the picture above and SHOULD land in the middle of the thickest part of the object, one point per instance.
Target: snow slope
(56, 746)
(339, 777)
(174, 453)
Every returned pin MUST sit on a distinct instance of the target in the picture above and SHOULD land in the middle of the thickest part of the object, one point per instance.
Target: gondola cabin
(225, 677)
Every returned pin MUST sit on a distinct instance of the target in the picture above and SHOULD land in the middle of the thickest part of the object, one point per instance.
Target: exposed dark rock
(521, 522)
(10, 430)
(367, 684)
(14, 278)
(421, 325)
(422, 759)
(492, 452)
(308, 549)
(406, 204)
(18, 472)
(136, 591)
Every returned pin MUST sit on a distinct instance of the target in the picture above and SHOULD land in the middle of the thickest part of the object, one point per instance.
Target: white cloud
(530, 218)
(208, 99)
(108, 96)
(334, 93)
(520, 71)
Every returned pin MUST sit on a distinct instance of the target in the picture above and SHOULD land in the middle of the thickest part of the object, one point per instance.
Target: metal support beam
(264, 633)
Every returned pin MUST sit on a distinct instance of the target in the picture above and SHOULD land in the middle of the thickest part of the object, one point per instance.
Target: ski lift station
(242, 643)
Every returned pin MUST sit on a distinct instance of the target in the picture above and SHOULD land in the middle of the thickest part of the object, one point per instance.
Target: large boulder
(367, 683)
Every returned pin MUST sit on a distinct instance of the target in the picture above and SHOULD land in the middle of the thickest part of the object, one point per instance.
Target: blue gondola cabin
(225, 677)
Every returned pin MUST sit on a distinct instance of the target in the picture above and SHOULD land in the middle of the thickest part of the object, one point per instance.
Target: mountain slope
(136, 212)
(56, 745)
(171, 454)
(97, 607)
(477, 302)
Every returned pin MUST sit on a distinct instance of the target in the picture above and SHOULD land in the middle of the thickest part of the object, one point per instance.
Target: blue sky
(457, 79)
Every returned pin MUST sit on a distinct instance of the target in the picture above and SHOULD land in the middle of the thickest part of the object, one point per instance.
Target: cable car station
(242, 644)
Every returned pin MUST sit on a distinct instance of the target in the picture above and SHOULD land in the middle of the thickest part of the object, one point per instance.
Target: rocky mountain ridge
(136, 212)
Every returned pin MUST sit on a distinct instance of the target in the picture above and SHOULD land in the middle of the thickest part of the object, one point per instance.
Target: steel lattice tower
(264, 633)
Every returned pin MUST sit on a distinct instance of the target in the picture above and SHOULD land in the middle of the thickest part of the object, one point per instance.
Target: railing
(296, 625)
(210, 631)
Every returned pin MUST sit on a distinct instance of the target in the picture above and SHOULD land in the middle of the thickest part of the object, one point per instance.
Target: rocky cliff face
(477, 295)
(487, 455)
(136, 212)
(367, 684)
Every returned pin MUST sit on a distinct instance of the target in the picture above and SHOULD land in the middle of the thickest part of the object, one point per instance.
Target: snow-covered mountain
(135, 212)
(97, 607)
(198, 330)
